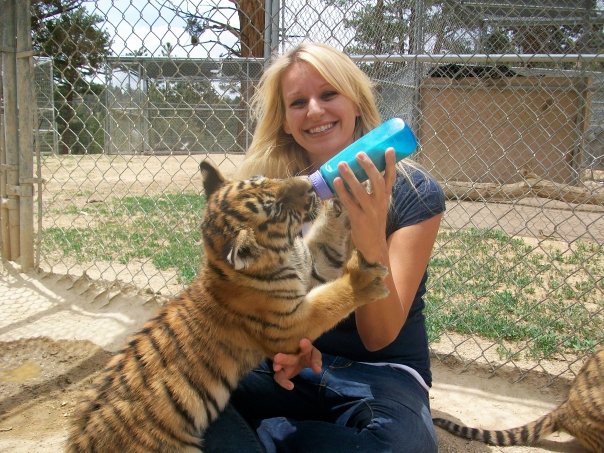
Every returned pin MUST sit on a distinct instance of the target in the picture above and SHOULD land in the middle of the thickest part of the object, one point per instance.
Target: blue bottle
(393, 133)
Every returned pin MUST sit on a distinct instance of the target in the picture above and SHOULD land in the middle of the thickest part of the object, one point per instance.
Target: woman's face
(320, 119)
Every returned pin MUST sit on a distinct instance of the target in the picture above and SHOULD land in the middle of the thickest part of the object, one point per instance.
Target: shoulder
(415, 182)
(416, 196)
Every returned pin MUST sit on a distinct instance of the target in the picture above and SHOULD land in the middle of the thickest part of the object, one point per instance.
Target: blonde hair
(274, 153)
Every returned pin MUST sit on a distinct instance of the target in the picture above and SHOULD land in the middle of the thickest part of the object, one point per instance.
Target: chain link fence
(507, 99)
(47, 136)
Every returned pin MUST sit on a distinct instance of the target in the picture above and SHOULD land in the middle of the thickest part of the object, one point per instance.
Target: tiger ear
(212, 178)
(242, 251)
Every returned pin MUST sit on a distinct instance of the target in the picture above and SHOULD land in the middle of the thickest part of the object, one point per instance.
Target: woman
(364, 385)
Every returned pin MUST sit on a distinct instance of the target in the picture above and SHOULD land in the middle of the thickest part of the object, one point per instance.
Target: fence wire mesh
(507, 99)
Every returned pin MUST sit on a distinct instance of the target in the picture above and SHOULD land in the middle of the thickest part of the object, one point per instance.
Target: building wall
(491, 130)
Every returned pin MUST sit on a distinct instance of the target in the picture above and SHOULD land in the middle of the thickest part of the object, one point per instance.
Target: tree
(167, 49)
(65, 32)
(249, 36)
(249, 41)
(387, 27)
(43, 10)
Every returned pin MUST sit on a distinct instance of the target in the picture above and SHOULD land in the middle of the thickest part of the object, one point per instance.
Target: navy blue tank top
(415, 198)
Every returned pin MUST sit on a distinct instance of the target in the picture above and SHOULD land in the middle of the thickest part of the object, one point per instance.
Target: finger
(281, 379)
(390, 171)
(374, 175)
(281, 361)
(345, 197)
(349, 190)
(305, 346)
(316, 360)
(312, 356)
(354, 186)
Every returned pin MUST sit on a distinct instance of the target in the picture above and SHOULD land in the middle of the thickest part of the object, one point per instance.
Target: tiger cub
(581, 415)
(260, 289)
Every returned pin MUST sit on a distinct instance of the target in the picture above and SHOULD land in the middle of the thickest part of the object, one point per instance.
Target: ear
(212, 178)
(242, 251)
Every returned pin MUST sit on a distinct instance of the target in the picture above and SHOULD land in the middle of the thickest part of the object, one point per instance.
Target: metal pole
(418, 48)
(582, 88)
(26, 104)
(485, 58)
(267, 31)
(275, 26)
(10, 166)
(4, 250)
(271, 29)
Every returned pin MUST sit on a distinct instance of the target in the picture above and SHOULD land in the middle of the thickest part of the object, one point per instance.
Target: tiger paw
(335, 210)
(334, 207)
(366, 279)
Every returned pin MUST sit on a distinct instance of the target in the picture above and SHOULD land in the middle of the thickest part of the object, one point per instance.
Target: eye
(327, 95)
(268, 207)
(297, 103)
(272, 209)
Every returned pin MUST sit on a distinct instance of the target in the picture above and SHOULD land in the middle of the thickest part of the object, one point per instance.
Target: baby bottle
(393, 133)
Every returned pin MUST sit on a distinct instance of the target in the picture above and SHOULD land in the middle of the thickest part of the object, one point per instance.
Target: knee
(407, 432)
(404, 439)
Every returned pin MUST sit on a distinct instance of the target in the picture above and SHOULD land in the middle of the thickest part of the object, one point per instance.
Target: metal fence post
(17, 160)
(418, 48)
(271, 29)
(4, 250)
(10, 162)
(27, 105)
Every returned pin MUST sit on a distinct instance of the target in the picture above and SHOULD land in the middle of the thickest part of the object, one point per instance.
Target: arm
(406, 253)
(409, 251)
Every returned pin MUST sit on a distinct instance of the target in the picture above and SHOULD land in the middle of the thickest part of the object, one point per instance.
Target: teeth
(323, 128)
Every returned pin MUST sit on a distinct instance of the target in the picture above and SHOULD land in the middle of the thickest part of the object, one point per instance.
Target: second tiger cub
(582, 415)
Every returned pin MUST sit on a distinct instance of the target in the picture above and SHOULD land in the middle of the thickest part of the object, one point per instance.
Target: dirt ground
(57, 331)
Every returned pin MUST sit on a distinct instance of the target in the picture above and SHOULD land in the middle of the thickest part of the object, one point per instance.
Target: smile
(319, 129)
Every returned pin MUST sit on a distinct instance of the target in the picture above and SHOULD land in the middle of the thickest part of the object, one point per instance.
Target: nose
(315, 108)
(296, 191)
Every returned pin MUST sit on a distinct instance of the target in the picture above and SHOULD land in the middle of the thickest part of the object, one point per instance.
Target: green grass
(482, 282)
(485, 283)
(164, 229)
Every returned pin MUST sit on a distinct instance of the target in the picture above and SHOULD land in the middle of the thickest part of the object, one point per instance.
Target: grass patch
(488, 284)
(164, 229)
(482, 282)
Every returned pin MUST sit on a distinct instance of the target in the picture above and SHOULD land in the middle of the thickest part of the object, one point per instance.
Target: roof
(169, 68)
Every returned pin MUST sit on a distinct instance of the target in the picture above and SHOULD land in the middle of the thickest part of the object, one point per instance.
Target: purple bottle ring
(320, 186)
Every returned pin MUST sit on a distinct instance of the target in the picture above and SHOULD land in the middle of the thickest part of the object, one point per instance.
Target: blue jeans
(347, 407)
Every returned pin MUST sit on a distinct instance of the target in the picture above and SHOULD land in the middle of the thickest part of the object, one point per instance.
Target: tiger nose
(298, 190)
(305, 189)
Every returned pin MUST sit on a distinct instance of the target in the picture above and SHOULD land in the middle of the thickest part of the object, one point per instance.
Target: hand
(286, 366)
(368, 212)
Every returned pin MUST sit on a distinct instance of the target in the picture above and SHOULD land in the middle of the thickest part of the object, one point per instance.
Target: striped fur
(581, 415)
(260, 290)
